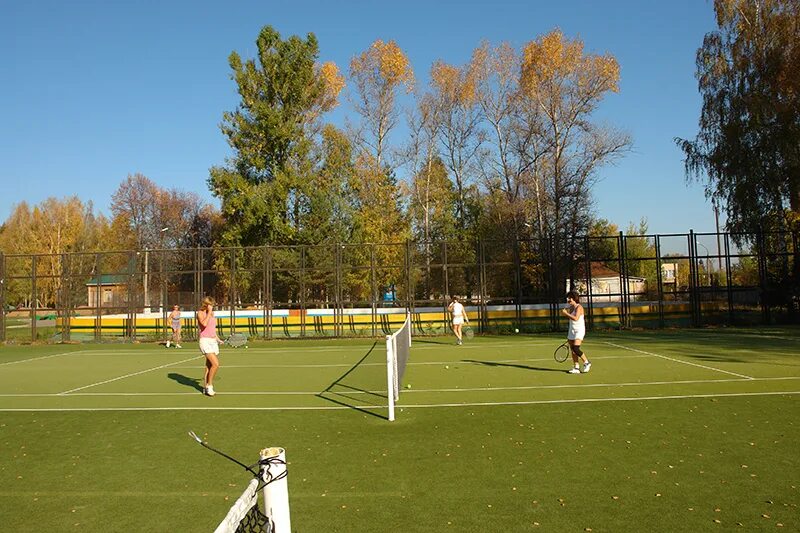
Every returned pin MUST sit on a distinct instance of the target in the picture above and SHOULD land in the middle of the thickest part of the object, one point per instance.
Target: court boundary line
(404, 406)
(424, 363)
(43, 357)
(677, 360)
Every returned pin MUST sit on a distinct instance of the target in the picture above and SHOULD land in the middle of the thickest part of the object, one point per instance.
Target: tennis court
(684, 430)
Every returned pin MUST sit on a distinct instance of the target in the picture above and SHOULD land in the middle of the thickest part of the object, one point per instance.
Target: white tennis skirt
(576, 334)
(458, 320)
(208, 345)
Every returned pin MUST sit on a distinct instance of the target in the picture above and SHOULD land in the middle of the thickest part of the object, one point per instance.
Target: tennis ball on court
(408, 385)
(446, 367)
(516, 330)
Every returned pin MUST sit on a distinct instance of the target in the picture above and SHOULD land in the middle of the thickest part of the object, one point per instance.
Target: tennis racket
(562, 353)
(236, 340)
(469, 332)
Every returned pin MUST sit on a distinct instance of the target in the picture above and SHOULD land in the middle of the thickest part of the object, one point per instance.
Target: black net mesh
(255, 522)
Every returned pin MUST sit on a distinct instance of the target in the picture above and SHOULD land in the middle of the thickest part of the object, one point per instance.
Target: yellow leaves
(458, 85)
(384, 62)
(553, 62)
(333, 83)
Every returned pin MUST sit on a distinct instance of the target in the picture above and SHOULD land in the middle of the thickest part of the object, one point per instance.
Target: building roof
(109, 279)
(599, 271)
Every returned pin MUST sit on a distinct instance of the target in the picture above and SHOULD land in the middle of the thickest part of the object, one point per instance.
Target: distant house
(113, 290)
(606, 283)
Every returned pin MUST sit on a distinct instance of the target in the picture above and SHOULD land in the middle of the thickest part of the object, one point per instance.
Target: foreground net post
(276, 490)
(245, 516)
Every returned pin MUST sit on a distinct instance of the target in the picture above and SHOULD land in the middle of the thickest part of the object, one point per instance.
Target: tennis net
(245, 516)
(398, 349)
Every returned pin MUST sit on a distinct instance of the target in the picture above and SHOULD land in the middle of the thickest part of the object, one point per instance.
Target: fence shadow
(347, 391)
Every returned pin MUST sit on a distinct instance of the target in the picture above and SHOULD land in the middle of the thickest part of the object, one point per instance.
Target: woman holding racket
(459, 317)
(209, 342)
(577, 330)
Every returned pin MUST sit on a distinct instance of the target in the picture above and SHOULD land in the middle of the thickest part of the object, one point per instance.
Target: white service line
(403, 406)
(128, 375)
(678, 360)
(598, 400)
(428, 363)
(43, 357)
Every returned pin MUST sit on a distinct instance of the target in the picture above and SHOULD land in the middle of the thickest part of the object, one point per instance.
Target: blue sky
(93, 91)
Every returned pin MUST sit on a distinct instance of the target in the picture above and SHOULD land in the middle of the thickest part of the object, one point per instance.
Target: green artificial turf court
(677, 430)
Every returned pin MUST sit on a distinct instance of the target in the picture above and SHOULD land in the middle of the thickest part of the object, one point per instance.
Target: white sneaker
(574, 370)
(178, 346)
(167, 344)
(587, 367)
(210, 391)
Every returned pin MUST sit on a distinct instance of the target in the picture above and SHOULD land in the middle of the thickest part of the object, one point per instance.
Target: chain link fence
(339, 290)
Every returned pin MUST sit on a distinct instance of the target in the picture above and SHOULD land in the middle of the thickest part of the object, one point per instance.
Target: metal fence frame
(514, 274)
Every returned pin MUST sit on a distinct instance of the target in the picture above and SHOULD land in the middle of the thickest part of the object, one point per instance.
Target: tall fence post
(483, 321)
(34, 298)
(518, 284)
(693, 275)
(761, 251)
(3, 306)
(622, 290)
(659, 281)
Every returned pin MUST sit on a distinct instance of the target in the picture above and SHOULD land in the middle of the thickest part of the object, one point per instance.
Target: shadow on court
(512, 365)
(361, 388)
(446, 342)
(186, 380)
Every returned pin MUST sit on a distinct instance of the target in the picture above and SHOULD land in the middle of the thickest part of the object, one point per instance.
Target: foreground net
(398, 348)
(270, 479)
(244, 516)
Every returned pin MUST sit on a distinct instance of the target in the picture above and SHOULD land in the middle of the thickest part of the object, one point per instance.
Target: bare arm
(575, 315)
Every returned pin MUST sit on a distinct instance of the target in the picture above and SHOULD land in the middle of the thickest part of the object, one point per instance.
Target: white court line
(412, 391)
(43, 357)
(127, 376)
(426, 363)
(265, 350)
(404, 406)
(678, 360)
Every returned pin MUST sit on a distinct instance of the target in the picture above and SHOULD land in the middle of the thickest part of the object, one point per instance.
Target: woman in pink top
(209, 342)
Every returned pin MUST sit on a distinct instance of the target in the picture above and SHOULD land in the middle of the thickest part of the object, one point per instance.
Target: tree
(378, 74)
(432, 204)
(146, 216)
(455, 97)
(265, 186)
(496, 74)
(747, 152)
(52, 228)
(561, 87)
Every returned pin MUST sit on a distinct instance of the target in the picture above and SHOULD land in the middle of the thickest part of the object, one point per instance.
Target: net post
(390, 374)
(276, 493)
